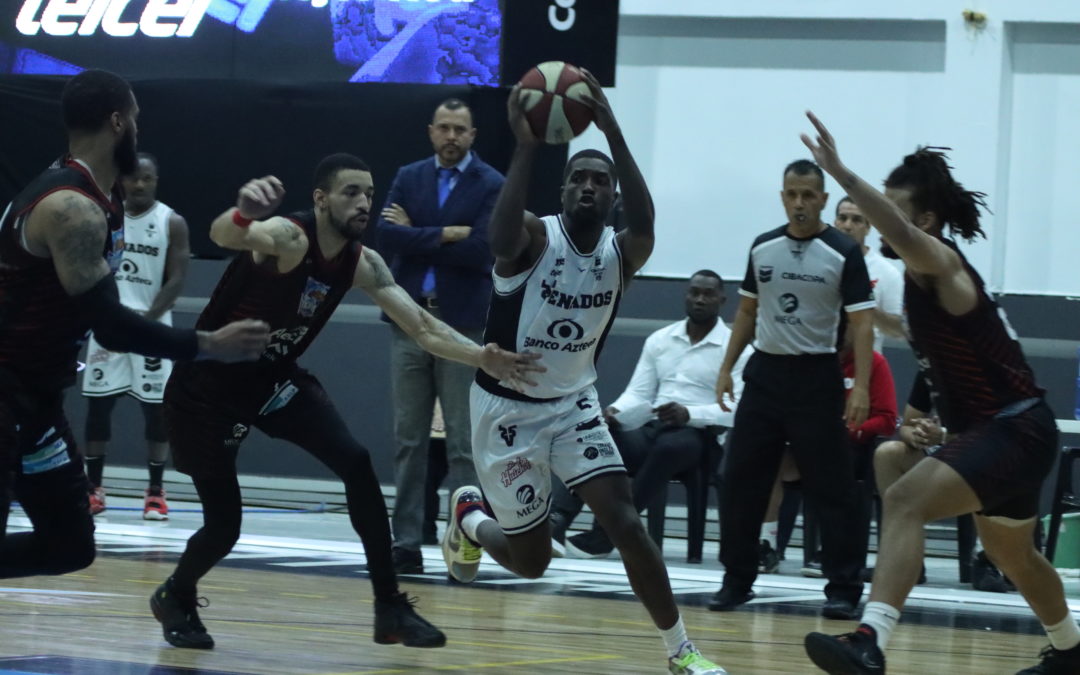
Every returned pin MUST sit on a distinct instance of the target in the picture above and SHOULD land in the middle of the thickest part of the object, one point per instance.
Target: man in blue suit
(433, 229)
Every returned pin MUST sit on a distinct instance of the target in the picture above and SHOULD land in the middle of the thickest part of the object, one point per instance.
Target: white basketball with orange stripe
(554, 95)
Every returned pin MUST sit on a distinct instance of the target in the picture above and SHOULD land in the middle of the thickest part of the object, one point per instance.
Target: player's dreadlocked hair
(927, 173)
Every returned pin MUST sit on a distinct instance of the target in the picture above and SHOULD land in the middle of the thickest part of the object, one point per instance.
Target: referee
(798, 279)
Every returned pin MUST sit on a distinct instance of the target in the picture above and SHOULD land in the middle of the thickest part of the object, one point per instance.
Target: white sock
(1065, 634)
(675, 637)
(882, 618)
(769, 531)
(471, 522)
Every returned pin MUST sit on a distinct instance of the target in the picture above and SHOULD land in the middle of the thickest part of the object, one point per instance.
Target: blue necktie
(446, 177)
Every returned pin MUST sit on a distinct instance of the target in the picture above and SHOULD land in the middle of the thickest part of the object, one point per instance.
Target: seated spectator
(880, 423)
(668, 414)
(919, 436)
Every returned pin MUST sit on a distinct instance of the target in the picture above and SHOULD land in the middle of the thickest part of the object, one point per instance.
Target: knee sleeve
(99, 417)
(154, 415)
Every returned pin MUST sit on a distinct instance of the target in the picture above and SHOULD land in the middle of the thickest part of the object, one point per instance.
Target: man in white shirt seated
(668, 415)
(886, 279)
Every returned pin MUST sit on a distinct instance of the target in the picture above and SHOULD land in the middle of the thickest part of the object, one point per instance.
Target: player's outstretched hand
(238, 341)
(259, 198)
(512, 370)
(515, 111)
(603, 115)
(824, 150)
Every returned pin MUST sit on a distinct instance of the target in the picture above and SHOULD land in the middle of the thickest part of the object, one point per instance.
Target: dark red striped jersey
(40, 328)
(974, 363)
(296, 304)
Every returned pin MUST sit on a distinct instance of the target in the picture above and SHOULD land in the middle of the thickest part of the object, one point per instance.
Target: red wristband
(239, 220)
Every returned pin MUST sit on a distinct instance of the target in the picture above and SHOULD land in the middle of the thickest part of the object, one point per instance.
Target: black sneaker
(591, 544)
(1055, 662)
(406, 561)
(178, 613)
(397, 622)
(726, 599)
(838, 608)
(985, 576)
(848, 654)
(768, 559)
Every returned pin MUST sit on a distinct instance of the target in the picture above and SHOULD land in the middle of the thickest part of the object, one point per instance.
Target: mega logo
(156, 18)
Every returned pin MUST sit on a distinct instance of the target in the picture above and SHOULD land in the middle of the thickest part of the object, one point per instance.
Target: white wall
(711, 95)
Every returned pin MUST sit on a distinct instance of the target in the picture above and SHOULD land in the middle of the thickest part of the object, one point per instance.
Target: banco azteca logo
(565, 329)
(789, 303)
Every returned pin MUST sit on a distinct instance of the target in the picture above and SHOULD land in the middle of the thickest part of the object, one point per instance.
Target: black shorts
(35, 436)
(207, 416)
(1005, 460)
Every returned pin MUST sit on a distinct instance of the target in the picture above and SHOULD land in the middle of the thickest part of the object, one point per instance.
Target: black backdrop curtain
(210, 136)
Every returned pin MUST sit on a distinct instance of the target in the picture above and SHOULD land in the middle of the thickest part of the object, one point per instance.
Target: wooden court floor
(288, 622)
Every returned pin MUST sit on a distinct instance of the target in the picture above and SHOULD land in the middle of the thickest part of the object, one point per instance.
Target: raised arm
(72, 229)
(516, 235)
(434, 336)
(251, 226)
(176, 264)
(636, 241)
(922, 253)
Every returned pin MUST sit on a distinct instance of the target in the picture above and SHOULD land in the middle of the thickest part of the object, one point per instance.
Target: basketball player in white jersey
(558, 281)
(150, 278)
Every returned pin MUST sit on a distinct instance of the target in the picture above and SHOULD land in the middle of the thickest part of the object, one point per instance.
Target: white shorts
(110, 373)
(517, 445)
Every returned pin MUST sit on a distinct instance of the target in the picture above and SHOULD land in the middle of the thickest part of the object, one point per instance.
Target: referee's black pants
(796, 400)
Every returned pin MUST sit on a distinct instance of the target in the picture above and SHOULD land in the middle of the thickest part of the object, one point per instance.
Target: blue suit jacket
(463, 268)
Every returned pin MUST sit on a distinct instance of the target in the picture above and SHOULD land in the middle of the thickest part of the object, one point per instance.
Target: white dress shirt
(888, 285)
(671, 369)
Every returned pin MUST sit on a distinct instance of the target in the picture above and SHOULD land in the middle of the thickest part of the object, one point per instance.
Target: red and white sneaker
(461, 554)
(97, 501)
(154, 506)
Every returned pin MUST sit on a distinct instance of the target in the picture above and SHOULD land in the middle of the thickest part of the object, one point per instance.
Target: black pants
(205, 435)
(797, 400)
(653, 455)
(41, 467)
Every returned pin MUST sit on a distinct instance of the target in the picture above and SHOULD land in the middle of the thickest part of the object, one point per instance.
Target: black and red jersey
(296, 304)
(974, 362)
(40, 327)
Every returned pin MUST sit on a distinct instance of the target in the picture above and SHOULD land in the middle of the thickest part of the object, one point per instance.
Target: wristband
(239, 220)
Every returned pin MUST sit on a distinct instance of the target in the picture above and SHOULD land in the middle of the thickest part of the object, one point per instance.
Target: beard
(350, 232)
(125, 154)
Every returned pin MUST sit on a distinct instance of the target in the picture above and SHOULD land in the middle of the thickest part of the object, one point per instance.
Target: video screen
(407, 41)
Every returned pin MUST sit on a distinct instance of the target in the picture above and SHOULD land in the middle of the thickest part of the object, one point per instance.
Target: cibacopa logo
(789, 303)
(565, 329)
(157, 19)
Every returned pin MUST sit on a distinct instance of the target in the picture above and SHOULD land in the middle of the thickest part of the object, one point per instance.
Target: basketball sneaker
(768, 558)
(397, 622)
(462, 555)
(689, 661)
(178, 612)
(154, 505)
(848, 654)
(1056, 662)
(97, 501)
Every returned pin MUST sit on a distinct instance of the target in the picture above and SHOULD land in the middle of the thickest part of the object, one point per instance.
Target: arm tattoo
(381, 273)
(80, 243)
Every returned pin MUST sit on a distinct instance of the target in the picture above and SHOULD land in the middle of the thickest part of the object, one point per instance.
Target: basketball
(553, 99)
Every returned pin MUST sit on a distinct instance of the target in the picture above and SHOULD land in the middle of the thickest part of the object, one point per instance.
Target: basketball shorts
(1006, 459)
(110, 373)
(517, 445)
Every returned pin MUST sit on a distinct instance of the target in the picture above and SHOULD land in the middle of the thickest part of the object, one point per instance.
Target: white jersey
(562, 307)
(142, 270)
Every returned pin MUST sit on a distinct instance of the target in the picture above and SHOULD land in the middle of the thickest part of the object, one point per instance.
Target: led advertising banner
(410, 41)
